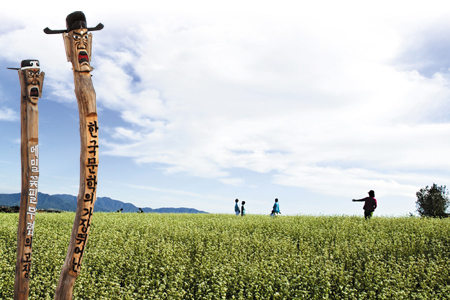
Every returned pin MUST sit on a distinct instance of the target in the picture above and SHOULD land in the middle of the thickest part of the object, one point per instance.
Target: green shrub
(432, 201)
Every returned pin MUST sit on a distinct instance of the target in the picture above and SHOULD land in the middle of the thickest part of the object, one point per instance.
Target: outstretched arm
(359, 200)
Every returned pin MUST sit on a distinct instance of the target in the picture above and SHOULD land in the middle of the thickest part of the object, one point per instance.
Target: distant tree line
(9, 209)
(15, 209)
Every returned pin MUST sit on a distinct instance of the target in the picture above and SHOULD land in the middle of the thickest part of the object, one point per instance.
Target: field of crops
(207, 256)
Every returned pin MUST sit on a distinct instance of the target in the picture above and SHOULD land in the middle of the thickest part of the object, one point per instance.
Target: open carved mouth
(34, 92)
(83, 57)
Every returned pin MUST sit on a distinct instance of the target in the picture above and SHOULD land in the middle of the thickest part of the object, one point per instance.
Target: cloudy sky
(202, 103)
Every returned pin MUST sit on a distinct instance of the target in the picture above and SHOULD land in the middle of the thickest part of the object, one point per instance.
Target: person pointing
(370, 204)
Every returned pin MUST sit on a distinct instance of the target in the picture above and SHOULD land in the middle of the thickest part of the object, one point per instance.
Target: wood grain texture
(29, 152)
(85, 93)
(78, 47)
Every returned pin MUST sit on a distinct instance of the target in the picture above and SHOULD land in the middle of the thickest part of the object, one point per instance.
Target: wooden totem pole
(31, 82)
(78, 46)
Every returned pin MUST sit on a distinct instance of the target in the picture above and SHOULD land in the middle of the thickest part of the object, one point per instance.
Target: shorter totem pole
(78, 46)
(31, 82)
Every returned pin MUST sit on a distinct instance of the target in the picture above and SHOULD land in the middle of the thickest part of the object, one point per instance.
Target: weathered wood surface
(78, 43)
(29, 79)
(88, 185)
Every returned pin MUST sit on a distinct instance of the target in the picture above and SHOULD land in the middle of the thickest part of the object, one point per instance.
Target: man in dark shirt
(370, 203)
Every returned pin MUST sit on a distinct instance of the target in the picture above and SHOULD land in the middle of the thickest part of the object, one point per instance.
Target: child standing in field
(370, 204)
(237, 210)
(242, 209)
(276, 208)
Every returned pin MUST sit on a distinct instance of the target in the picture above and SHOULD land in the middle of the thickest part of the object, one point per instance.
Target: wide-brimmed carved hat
(27, 64)
(76, 20)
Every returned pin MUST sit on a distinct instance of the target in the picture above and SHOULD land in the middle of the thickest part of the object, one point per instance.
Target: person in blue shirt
(237, 210)
(242, 209)
(276, 208)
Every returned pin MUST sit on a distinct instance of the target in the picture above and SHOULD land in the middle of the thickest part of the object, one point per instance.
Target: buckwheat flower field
(211, 256)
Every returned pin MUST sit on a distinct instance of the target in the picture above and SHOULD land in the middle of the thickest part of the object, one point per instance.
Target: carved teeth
(83, 57)
(34, 92)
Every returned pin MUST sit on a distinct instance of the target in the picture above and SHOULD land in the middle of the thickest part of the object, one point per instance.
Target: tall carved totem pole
(31, 82)
(78, 46)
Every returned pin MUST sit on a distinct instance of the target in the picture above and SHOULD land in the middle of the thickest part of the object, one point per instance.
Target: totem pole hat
(75, 20)
(27, 64)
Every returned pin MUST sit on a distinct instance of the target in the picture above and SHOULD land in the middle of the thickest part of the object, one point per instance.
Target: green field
(208, 256)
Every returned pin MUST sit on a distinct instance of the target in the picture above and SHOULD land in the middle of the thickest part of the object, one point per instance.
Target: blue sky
(200, 103)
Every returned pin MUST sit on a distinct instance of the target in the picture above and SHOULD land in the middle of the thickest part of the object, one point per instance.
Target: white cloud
(7, 114)
(312, 93)
(232, 181)
(212, 95)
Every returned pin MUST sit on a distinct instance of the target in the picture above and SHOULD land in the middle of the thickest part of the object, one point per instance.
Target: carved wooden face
(78, 44)
(34, 80)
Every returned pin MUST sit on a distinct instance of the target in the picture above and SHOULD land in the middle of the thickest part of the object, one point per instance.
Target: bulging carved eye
(30, 73)
(76, 37)
(38, 72)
